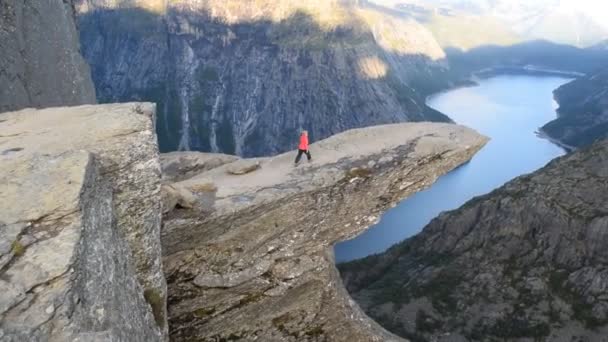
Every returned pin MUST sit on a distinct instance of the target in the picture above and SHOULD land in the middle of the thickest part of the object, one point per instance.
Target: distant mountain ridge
(581, 23)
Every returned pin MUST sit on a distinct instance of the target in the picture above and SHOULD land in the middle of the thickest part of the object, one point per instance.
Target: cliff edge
(247, 244)
(80, 225)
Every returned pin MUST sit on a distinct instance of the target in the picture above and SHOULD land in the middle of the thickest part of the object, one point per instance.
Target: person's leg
(299, 156)
(308, 155)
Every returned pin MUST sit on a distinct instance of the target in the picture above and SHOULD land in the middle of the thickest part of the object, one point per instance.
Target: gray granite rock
(256, 263)
(75, 276)
(40, 63)
(81, 223)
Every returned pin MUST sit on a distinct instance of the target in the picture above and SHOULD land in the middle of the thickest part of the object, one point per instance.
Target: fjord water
(509, 110)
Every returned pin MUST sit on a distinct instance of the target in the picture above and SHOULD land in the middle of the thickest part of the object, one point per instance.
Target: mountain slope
(244, 77)
(583, 111)
(525, 261)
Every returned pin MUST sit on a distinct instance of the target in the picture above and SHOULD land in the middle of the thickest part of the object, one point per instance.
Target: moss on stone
(154, 298)
(17, 248)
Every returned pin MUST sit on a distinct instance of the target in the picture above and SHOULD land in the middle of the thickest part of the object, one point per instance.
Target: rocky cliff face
(80, 255)
(583, 111)
(243, 77)
(40, 64)
(527, 261)
(248, 249)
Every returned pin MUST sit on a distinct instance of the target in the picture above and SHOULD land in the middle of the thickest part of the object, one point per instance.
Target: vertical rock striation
(40, 63)
(80, 238)
(242, 77)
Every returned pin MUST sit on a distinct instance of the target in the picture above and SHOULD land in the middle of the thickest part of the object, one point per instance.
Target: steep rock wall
(40, 64)
(80, 225)
(243, 77)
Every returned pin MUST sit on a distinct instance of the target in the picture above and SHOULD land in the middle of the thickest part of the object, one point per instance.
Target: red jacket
(303, 142)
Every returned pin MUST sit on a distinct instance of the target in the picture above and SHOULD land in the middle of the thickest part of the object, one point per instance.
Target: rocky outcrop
(252, 259)
(40, 64)
(583, 112)
(80, 225)
(527, 261)
(243, 77)
(178, 166)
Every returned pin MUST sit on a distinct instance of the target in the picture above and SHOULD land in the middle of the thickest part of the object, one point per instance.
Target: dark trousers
(300, 153)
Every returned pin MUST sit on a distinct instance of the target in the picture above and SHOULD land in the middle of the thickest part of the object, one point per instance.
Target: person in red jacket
(303, 147)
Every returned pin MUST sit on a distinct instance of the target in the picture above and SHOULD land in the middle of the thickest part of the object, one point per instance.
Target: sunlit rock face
(243, 77)
(80, 256)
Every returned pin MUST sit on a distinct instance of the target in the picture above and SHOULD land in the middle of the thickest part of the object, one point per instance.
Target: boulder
(179, 166)
(174, 196)
(243, 167)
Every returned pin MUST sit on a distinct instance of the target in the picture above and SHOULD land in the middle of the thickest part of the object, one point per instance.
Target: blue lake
(509, 110)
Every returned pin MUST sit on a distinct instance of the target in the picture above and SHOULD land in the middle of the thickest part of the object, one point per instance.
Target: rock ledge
(252, 259)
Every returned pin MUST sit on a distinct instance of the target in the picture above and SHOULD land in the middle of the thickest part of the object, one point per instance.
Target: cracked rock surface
(79, 225)
(252, 259)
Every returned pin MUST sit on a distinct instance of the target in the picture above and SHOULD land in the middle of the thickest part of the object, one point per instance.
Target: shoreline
(543, 135)
(539, 132)
(486, 73)
(529, 70)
